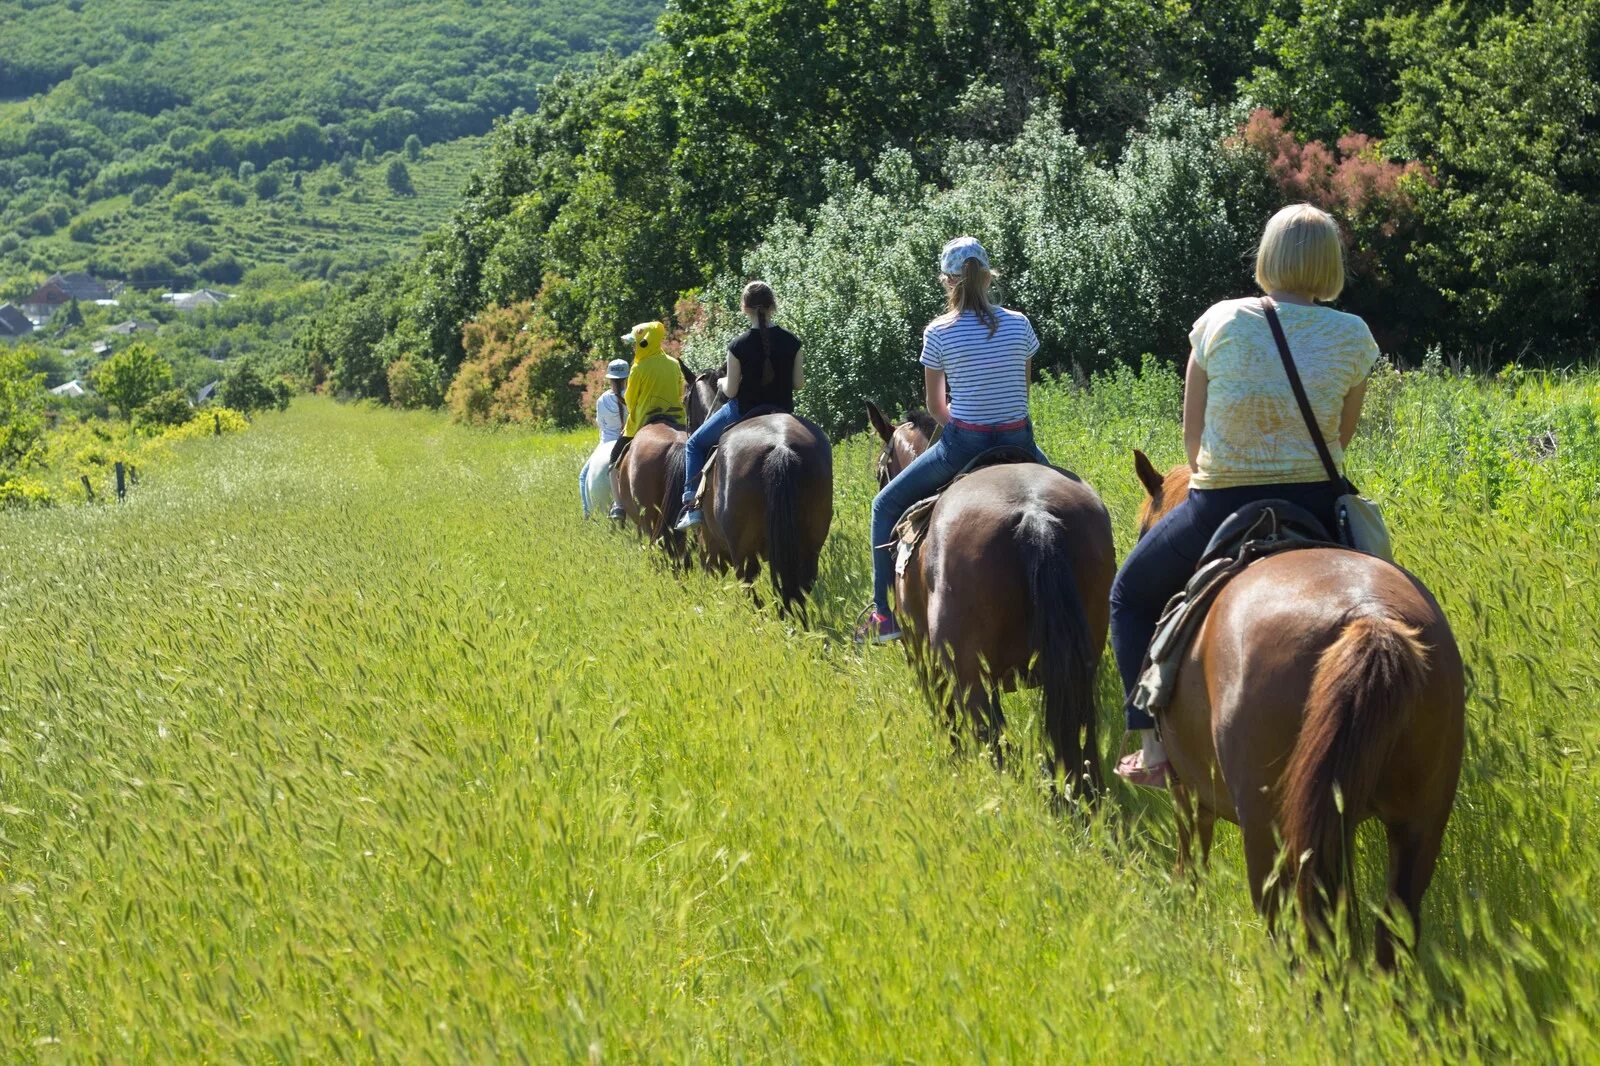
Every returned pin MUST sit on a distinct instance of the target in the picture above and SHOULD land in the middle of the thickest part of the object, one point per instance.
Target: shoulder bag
(1361, 524)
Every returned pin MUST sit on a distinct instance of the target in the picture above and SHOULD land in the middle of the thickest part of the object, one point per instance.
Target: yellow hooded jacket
(655, 384)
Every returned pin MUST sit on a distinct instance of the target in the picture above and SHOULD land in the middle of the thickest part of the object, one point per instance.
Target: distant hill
(185, 142)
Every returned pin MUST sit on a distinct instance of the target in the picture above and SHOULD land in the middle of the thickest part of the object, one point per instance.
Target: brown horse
(1011, 585)
(769, 495)
(1324, 688)
(648, 482)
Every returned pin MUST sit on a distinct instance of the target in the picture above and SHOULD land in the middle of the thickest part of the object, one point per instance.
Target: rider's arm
(799, 371)
(935, 394)
(630, 394)
(1351, 414)
(730, 384)
(1194, 411)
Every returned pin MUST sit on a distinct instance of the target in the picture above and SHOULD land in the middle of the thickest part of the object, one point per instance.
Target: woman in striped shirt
(975, 366)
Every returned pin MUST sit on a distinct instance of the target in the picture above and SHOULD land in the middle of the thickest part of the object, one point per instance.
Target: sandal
(1131, 768)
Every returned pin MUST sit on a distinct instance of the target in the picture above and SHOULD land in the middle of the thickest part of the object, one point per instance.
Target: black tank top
(766, 372)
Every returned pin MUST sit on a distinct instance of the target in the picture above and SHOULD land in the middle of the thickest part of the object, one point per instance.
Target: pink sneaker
(879, 628)
(1131, 768)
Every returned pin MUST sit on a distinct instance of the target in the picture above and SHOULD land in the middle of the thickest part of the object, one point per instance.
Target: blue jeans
(927, 474)
(701, 442)
(1164, 560)
(583, 486)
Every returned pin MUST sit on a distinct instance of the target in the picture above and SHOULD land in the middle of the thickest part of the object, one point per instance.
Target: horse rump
(1361, 696)
(1058, 633)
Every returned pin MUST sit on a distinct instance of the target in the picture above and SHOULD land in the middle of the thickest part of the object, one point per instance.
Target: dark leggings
(1164, 559)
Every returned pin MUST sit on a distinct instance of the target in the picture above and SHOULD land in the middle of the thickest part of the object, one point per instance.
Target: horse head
(1162, 494)
(901, 443)
(700, 393)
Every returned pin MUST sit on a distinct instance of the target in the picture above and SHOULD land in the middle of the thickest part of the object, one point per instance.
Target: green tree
(413, 147)
(245, 390)
(22, 399)
(132, 377)
(399, 178)
(369, 151)
(1507, 109)
(267, 185)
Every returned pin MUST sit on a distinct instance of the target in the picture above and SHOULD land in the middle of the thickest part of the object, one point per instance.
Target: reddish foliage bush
(1352, 181)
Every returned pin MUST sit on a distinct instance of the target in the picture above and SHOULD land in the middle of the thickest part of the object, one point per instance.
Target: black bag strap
(1300, 391)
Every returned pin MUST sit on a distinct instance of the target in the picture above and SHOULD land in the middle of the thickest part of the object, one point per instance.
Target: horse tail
(1361, 694)
(780, 474)
(1058, 632)
(672, 502)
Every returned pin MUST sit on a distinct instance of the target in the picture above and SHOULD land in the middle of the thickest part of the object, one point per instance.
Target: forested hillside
(1121, 155)
(184, 142)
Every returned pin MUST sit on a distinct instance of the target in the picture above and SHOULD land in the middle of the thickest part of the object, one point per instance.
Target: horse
(648, 481)
(1010, 586)
(1324, 688)
(768, 494)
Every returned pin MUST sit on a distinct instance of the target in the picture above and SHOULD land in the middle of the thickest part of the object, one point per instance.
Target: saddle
(624, 443)
(711, 454)
(1266, 527)
(912, 528)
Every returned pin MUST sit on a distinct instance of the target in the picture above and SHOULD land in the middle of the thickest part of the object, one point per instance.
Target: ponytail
(758, 297)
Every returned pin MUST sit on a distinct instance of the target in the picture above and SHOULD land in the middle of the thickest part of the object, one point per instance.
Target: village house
(60, 290)
(132, 326)
(186, 302)
(71, 390)
(14, 325)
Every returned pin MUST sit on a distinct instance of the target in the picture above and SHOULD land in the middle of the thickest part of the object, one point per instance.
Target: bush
(268, 185)
(413, 383)
(516, 370)
(1110, 262)
(169, 408)
(413, 148)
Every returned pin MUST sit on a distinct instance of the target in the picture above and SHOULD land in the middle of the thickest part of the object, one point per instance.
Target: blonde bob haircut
(1301, 252)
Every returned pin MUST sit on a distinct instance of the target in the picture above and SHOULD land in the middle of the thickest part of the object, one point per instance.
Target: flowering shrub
(515, 370)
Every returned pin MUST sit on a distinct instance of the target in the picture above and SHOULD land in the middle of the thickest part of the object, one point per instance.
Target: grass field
(346, 739)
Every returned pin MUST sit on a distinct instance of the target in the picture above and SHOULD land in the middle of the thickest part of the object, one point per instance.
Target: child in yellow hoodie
(655, 386)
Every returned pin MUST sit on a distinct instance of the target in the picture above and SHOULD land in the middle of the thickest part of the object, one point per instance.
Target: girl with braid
(764, 371)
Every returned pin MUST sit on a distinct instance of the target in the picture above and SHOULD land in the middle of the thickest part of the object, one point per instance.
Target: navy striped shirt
(987, 376)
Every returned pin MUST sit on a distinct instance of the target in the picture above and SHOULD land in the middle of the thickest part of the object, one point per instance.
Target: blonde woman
(1244, 433)
(976, 359)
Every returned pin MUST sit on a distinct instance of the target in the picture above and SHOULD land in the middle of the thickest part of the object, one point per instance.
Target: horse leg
(1183, 812)
(1413, 851)
(1206, 823)
(1260, 860)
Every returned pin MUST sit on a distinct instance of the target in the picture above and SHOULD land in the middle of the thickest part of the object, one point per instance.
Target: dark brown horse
(648, 482)
(1324, 688)
(1010, 586)
(769, 495)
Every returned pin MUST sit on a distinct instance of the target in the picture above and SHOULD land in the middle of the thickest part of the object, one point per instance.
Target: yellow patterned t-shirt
(1254, 433)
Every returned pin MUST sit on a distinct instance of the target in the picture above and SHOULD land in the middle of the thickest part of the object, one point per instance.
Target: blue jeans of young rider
(1164, 560)
(583, 486)
(701, 442)
(927, 474)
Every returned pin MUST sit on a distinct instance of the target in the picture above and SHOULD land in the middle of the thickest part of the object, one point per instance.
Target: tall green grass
(347, 739)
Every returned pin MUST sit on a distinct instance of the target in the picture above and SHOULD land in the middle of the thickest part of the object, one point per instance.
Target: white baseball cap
(953, 260)
(617, 370)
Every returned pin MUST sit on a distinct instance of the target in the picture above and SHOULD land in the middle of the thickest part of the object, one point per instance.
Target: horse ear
(881, 424)
(688, 375)
(1148, 473)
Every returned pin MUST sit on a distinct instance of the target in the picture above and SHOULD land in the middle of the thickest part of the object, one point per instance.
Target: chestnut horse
(769, 495)
(1324, 688)
(1011, 585)
(648, 482)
